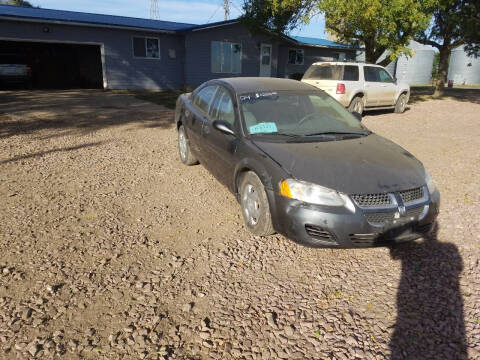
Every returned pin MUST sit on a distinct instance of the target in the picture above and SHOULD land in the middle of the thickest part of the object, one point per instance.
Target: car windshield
(286, 113)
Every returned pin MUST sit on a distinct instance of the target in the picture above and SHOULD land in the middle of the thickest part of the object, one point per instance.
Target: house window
(146, 47)
(339, 56)
(295, 56)
(226, 57)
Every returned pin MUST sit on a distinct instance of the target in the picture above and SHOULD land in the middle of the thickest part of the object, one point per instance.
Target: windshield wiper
(363, 133)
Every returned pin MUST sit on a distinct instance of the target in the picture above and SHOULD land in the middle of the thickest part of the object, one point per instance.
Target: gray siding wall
(198, 53)
(122, 70)
(311, 55)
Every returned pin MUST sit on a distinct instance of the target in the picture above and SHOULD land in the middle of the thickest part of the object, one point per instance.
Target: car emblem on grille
(402, 211)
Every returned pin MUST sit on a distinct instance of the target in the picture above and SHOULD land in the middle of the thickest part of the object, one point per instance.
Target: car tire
(356, 105)
(184, 151)
(255, 205)
(401, 104)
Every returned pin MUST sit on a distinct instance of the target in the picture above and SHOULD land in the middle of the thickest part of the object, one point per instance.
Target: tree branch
(427, 42)
(457, 43)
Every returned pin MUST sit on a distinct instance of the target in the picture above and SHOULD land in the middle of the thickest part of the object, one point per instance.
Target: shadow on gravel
(42, 153)
(423, 93)
(430, 322)
(75, 112)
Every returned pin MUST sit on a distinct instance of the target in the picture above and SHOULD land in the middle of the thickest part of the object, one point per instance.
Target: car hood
(370, 164)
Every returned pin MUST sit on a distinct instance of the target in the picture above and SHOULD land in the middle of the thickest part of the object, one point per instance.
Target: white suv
(359, 86)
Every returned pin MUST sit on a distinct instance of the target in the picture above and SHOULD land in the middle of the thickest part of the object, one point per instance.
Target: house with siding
(73, 49)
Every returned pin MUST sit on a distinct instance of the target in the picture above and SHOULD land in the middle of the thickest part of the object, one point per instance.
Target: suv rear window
(332, 72)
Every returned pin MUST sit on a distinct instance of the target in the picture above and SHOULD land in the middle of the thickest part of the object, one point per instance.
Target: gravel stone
(113, 249)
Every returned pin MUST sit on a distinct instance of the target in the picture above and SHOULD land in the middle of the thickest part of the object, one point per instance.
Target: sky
(187, 11)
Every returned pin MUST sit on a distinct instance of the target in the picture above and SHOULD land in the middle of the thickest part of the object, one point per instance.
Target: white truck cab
(359, 86)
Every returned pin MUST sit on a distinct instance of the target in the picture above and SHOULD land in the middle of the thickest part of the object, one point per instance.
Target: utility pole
(226, 7)
(154, 13)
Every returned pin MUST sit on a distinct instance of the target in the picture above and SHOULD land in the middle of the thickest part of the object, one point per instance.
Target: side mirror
(394, 80)
(223, 127)
(357, 115)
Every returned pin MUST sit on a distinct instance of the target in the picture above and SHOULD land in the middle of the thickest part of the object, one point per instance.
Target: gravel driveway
(111, 249)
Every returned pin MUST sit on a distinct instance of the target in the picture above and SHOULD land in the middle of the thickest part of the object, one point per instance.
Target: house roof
(113, 21)
(309, 41)
(48, 15)
(214, 24)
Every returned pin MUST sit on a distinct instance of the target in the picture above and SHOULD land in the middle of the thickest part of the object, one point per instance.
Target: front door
(266, 60)
(219, 147)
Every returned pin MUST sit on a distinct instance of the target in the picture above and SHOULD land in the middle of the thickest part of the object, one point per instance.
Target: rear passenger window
(204, 98)
(350, 73)
(332, 72)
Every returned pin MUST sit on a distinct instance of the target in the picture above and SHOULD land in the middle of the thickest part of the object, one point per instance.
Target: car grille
(368, 200)
(319, 233)
(380, 218)
(411, 195)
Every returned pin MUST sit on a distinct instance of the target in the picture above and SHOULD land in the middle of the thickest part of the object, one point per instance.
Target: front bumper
(337, 227)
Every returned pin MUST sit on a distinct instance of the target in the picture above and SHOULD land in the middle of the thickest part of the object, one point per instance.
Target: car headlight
(430, 184)
(314, 194)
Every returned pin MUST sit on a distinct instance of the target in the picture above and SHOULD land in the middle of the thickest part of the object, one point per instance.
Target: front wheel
(184, 151)
(401, 104)
(356, 105)
(255, 206)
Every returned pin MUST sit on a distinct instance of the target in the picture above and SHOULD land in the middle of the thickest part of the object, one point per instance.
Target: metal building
(415, 70)
(463, 69)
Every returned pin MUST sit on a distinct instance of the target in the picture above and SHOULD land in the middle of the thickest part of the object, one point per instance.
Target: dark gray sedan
(303, 166)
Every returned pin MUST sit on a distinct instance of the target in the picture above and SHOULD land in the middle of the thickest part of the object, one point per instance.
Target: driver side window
(222, 108)
(204, 98)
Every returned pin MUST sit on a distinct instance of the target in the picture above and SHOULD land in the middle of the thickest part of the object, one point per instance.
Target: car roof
(344, 63)
(243, 85)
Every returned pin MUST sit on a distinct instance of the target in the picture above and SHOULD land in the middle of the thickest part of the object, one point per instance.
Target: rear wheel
(356, 105)
(255, 206)
(184, 151)
(401, 104)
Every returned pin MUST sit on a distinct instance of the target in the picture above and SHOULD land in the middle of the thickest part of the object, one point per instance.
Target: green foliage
(16, 3)
(455, 23)
(379, 25)
(277, 15)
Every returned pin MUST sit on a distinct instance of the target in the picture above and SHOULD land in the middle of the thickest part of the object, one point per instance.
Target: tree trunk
(444, 59)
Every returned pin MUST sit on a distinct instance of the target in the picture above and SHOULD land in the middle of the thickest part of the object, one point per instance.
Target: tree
(378, 25)
(16, 3)
(455, 23)
(276, 15)
(472, 28)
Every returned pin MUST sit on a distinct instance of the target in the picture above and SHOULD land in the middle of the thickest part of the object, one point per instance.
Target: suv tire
(401, 104)
(356, 105)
